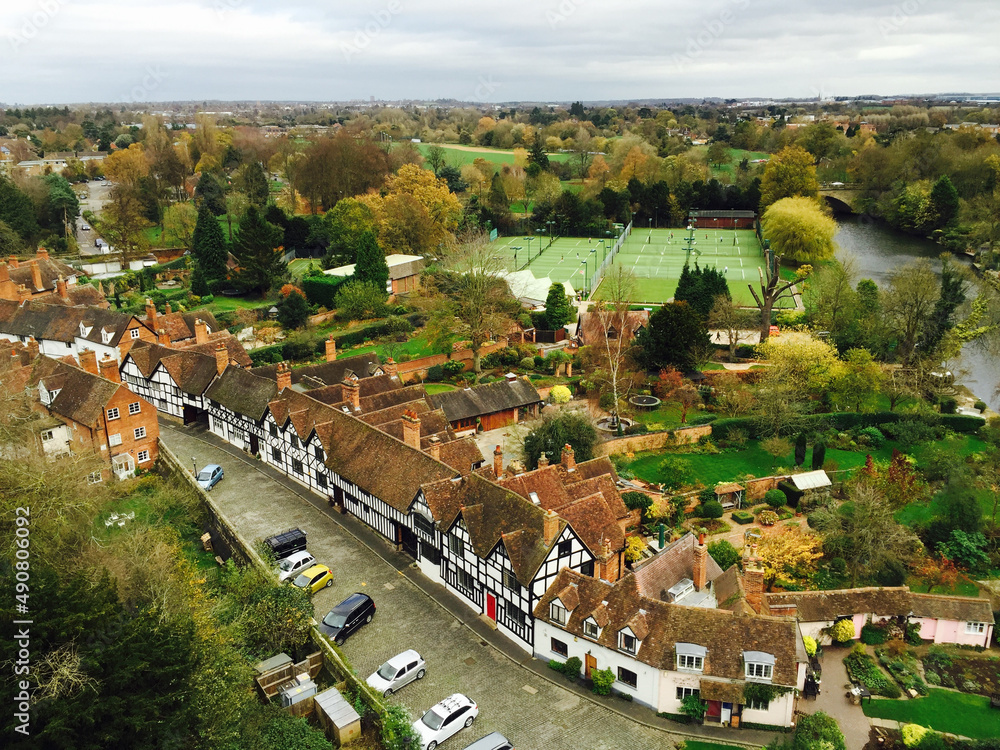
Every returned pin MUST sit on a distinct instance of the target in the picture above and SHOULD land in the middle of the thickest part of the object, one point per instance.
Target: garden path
(833, 700)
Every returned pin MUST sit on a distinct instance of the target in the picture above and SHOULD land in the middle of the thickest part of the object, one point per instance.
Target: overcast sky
(59, 51)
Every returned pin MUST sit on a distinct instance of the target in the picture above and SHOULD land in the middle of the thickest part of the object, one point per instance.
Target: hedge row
(299, 350)
(322, 290)
(849, 420)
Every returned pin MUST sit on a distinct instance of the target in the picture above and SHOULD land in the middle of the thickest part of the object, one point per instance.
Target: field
(943, 711)
(571, 259)
(458, 156)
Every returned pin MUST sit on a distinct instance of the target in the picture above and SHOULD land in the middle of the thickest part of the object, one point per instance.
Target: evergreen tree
(699, 288)
(558, 309)
(940, 322)
(17, 210)
(800, 449)
(537, 154)
(253, 182)
(208, 246)
(293, 310)
(210, 191)
(370, 265)
(261, 260)
(819, 455)
(944, 201)
(199, 284)
(674, 332)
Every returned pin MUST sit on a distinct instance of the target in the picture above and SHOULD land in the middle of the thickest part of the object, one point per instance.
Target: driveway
(463, 654)
(833, 699)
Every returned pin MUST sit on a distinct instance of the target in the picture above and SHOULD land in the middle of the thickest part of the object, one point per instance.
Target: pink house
(953, 619)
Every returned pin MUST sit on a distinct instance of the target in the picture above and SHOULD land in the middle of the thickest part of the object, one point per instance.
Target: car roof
(404, 658)
(299, 555)
(210, 467)
(315, 569)
(453, 702)
(351, 602)
(489, 742)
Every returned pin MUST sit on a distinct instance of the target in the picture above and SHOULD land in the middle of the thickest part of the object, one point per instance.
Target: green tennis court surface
(572, 259)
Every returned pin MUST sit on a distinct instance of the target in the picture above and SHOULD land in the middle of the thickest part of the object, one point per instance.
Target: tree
(471, 300)
(179, 222)
(293, 310)
(615, 368)
(832, 304)
(819, 455)
(687, 396)
(788, 552)
(210, 192)
(941, 321)
(673, 333)
(261, 260)
(566, 428)
(126, 167)
(208, 245)
(788, 173)
(800, 449)
(124, 226)
(799, 230)
(537, 155)
(199, 282)
(10, 241)
(731, 320)
(718, 153)
(909, 301)
(856, 381)
(346, 222)
(17, 210)
(435, 157)
(724, 554)
(944, 201)
(370, 266)
(675, 472)
(558, 309)
(251, 180)
(772, 288)
(777, 448)
(700, 287)
(802, 364)
(818, 731)
(360, 300)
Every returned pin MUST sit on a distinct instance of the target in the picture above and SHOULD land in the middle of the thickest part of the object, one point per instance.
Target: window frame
(95, 477)
(139, 457)
(697, 663)
(456, 545)
(115, 440)
(139, 433)
(757, 705)
(591, 624)
(112, 411)
(276, 455)
(321, 481)
(297, 467)
(137, 405)
(767, 671)
(975, 628)
(465, 580)
(560, 648)
(684, 692)
(565, 548)
(134, 332)
(634, 684)
(622, 642)
(555, 608)
(48, 435)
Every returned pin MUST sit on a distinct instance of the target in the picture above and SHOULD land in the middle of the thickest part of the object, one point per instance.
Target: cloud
(102, 50)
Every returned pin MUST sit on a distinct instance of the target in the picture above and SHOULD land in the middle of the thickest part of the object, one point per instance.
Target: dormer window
(591, 629)
(627, 641)
(558, 613)
(691, 657)
(106, 336)
(759, 665)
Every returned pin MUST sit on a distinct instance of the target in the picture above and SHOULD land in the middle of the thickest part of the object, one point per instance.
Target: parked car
(294, 564)
(287, 542)
(314, 578)
(445, 719)
(85, 227)
(355, 611)
(400, 670)
(492, 741)
(209, 476)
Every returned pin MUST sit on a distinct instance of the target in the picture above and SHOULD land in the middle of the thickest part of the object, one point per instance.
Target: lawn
(416, 347)
(433, 388)
(299, 266)
(155, 236)
(458, 156)
(713, 468)
(944, 711)
(221, 303)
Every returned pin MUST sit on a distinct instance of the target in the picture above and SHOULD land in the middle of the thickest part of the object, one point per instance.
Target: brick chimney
(331, 349)
(700, 563)
(42, 253)
(166, 309)
(12, 259)
(434, 447)
(411, 429)
(550, 527)
(568, 458)
(543, 460)
(23, 292)
(390, 368)
(284, 373)
(753, 583)
(200, 331)
(162, 338)
(61, 288)
(109, 369)
(352, 393)
(221, 358)
(36, 276)
(4, 273)
(32, 347)
(88, 361)
(498, 462)
(151, 313)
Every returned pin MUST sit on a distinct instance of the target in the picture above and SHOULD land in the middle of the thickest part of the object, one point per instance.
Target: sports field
(572, 259)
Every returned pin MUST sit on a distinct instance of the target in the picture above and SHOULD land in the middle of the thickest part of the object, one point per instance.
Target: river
(877, 250)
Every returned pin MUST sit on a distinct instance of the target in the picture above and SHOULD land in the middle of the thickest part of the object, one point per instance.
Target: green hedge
(322, 290)
(266, 355)
(764, 727)
(961, 422)
(679, 718)
(742, 517)
(848, 420)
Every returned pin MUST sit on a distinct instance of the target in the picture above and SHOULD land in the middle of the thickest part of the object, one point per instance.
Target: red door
(491, 606)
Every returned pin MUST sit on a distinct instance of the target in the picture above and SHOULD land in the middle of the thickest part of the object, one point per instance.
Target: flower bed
(970, 674)
(902, 666)
(862, 668)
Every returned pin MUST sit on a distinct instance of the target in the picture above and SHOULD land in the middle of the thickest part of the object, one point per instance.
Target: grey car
(210, 476)
(400, 670)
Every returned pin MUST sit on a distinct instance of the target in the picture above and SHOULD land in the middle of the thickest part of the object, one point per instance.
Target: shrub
(453, 367)
(724, 553)
(873, 635)
(736, 437)
(981, 406)
(321, 290)
(694, 707)
(603, 680)
(810, 645)
(742, 517)
(873, 435)
(843, 631)
(892, 573)
(560, 394)
(970, 686)
(818, 730)
(607, 401)
(961, 422)
(572, 667)
(528, 363)
(948, 404)
(932, 678)
(638, 428)
(767, 518)
(435, 374)
(775, 498)
(913, 734)
(712, 509)
(635, 500)
(674, 472)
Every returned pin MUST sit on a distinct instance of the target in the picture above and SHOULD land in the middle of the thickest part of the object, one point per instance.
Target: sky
(129, 51)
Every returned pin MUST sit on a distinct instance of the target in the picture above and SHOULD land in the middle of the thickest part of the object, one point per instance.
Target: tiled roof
(960, 608)
(78, 295)
(233, 346)
(191, 371)
(62, 323)
(461, 455)
(329, 373)
(49, 269)
(486, 399)
(242, 392)
(729, 592)
(724, 634)
(82, 396)
(822, 606)
(675, 562)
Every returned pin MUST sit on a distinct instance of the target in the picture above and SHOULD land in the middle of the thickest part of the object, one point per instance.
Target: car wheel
(339, 640)
(387, 693)
(421, 673)
(431, 745)
(468, 722)
(329, 583)
(368, 619)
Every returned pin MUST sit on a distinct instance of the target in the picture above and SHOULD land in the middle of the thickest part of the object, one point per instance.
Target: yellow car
(314, 578)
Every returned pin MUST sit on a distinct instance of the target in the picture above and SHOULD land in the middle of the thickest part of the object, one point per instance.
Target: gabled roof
(328, 373)
(82, 396)
(823, 606)
(191, 371)
(960, 608)
(179, 326)
(724, 634)
(63, 323)
(242, 392)
(486, 399)
(673, 563)
(49, 269)
(237, 353)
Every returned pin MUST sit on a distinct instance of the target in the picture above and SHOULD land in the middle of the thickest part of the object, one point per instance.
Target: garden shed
(730, 495)
(808, 485)
(337, 717)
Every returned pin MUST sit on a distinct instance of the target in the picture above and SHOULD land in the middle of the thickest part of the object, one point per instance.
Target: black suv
(287, 542)
(355, 611)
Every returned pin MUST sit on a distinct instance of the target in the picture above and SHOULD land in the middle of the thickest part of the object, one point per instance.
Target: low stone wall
(653, 441)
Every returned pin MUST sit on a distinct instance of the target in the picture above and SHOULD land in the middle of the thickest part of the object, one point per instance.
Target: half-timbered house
(175, 381)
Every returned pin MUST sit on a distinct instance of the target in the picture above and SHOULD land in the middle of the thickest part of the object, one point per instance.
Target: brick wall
(416, 369)
(126, 424)
(653, 441)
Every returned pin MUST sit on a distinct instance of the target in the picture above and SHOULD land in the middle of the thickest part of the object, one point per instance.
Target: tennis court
(572, 259)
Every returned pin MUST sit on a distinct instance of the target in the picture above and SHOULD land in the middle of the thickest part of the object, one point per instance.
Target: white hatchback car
(400, 670)
(445, 719)
(294, 564)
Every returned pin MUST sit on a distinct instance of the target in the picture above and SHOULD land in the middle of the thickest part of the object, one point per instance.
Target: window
(139, 433)
(94, 477)
(135, 333)
(47, 435)
(143, 457)
(590, 629)
(515, 615)
(113, 413)
(557, 613)
(970, 627)
(456, 545)
(627, 677)
(565, 548)
(69, 344)
(760, 671)
(115, 439)
(510, 581)
(273, 429)
(560, 648)
(275, 455)
(134, 408)
(685, 661)
(321, 481)
(294, 441)
(627, 642)
(758, 705)
(296, 466)
(588, 568)
(466, 581)
(684, 692)
(319, 453)
(422, 525)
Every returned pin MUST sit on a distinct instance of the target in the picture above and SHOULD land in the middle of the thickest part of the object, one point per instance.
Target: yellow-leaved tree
(788, 552)
(799, 230)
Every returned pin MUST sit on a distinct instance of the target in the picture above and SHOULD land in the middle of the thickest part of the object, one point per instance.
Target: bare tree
(612, 311)
(773, 289)
(731, 320)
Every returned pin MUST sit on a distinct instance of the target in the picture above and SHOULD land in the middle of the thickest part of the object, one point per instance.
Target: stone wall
(653, 441)
(416, 369)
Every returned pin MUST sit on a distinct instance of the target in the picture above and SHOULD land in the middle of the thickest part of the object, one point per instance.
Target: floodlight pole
(194, 463)
(586, 277)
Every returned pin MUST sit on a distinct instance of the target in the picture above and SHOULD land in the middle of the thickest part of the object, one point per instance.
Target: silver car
(294, 564)
(400, 670)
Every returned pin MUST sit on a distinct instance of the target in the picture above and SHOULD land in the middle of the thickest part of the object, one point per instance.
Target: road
(98, 195)
(514, 692)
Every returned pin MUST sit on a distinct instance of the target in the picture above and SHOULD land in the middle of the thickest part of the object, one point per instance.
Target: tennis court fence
(610, 257)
